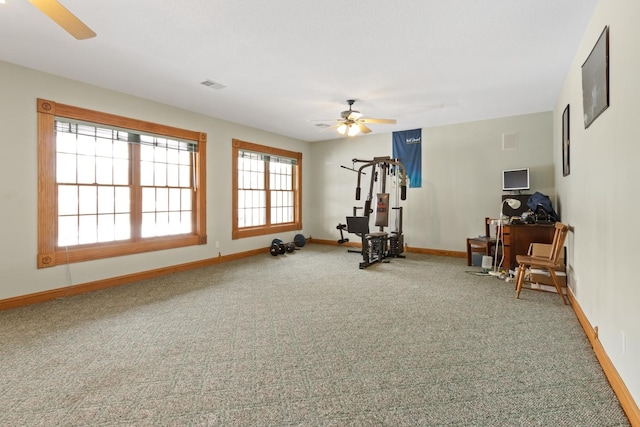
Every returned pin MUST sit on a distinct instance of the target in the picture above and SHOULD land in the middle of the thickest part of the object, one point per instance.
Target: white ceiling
(286, 63)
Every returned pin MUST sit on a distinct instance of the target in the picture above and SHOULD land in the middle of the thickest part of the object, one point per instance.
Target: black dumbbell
(277, 247)
(274, 249)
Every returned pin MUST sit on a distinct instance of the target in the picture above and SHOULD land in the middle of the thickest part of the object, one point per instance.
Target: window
(266, 190)
(111, 186)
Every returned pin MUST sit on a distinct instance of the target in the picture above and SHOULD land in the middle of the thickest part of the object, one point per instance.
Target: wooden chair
(549, 263)
(482, 244)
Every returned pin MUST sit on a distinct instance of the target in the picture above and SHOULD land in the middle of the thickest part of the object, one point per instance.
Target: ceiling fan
(64, 18)
(352, 122)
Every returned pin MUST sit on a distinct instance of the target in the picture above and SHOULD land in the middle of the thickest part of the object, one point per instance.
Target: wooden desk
(518, 237)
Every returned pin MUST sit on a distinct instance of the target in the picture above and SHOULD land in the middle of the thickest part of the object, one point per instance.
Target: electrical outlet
(217, 244)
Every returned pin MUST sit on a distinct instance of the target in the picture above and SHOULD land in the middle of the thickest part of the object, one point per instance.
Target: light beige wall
(462, 177)
(599, 198)
(19, 89)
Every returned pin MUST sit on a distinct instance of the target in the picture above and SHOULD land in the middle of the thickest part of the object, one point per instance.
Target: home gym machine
(379, 245)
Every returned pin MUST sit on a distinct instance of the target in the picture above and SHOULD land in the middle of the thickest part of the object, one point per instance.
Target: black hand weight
(274, 249)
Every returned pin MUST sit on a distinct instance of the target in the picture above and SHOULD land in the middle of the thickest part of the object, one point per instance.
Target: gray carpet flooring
(304, 339)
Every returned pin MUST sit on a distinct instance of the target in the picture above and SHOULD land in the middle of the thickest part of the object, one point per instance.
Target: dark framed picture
(565, 142)
(595, 79)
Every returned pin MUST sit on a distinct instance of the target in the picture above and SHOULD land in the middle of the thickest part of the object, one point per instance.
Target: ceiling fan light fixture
(351, 122)
(354, 129)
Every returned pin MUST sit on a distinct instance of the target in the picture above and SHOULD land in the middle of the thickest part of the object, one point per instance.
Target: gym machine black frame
(379, 245)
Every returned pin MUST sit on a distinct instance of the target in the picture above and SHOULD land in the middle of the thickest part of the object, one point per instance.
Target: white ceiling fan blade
(363, 128)
(64, 18)
(380, 121)
(336, 126)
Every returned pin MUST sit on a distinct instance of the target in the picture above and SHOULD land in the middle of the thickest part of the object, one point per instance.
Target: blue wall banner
(407, 147)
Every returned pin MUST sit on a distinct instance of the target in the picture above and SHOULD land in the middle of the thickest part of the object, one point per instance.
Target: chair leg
(520, 279)
(555, 282)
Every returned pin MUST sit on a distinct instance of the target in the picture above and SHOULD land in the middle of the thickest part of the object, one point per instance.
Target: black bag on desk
(542, 207)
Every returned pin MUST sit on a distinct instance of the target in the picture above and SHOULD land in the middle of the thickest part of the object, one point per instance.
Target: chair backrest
(558, 242)
(487, 227)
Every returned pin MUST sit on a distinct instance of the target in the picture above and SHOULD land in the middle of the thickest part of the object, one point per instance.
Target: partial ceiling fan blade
(64, 18)
(336, 126)
(363, 128)
(380, 121)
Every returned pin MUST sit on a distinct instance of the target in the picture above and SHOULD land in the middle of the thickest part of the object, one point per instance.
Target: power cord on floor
(478, 273)
(68, 267)
(68, 271)
(503, 276)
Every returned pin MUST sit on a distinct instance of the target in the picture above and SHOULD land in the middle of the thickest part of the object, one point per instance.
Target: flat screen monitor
(515, 179)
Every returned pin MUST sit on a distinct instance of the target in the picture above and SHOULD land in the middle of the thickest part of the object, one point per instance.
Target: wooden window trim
(49, 254)
(239, 233)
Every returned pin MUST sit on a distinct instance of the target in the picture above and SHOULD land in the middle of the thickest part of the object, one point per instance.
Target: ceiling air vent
(213, 85)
